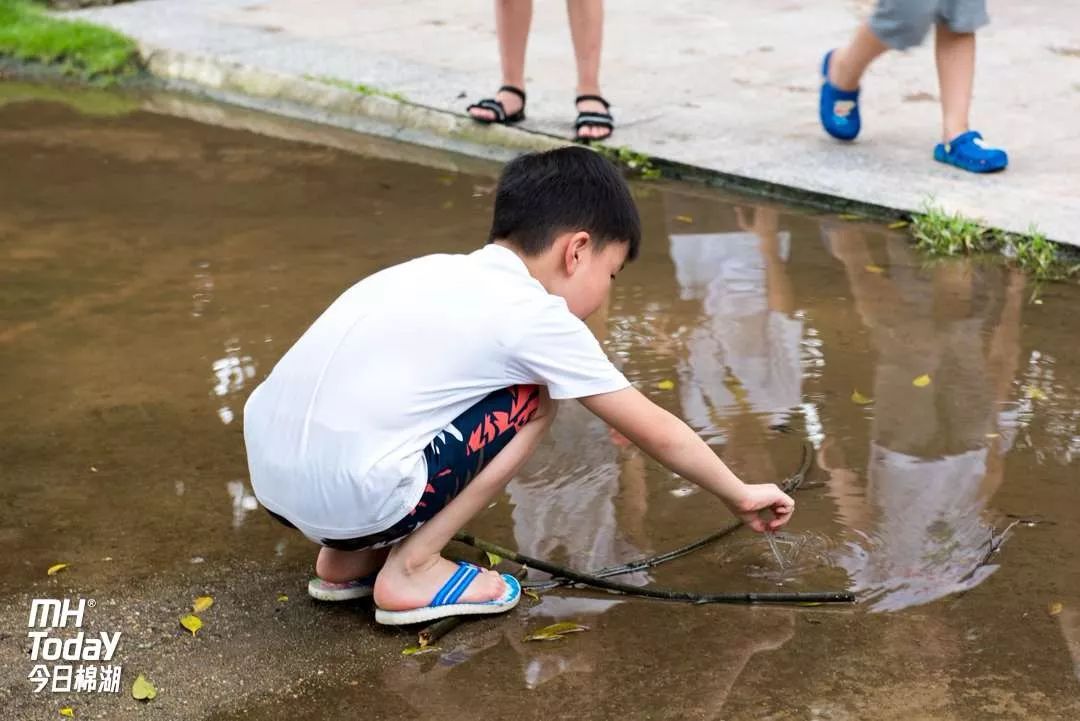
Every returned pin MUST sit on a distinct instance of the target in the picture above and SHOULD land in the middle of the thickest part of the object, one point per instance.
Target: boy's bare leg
(955, 54)
(587, 32)
(342, 566)
(414, 571)
(512, 21)
(848, 63)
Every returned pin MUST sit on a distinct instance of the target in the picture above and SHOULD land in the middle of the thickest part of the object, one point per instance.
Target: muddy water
(154, 269)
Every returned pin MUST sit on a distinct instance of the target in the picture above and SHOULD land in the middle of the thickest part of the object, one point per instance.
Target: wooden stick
(432, 633)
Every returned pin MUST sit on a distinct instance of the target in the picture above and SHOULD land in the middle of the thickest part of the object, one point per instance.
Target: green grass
(77, 48)
(356, 87)
(635, 163)
(942, 234)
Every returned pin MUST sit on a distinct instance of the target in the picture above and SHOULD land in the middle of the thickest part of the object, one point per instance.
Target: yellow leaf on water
(1055, 608)
(447, 204)
(860, 399)
(1034, 393)
(191, 623)
(922, 381)
(875, 269)
(898, 225)
(531, 594)
(418, 650)
(202, 603)
(993, 435)
(665, 385)
(55, 569)
(556, 631)
(142, 689)
(849, 216)
(494, 559)
(67, 711)
(684, 219)
(282, 598)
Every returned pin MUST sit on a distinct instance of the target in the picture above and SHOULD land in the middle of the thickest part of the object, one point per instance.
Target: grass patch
(356, 87)
(74, 47)
(636, 164)
(941, 234)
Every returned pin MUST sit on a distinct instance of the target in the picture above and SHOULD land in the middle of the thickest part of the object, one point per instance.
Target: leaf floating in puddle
(493, 559)
(665, 385)
(684, 219)
(1034, 393)
(68, 712)
(875, 269)
(531, 594)
(282, 598)
(142, 689)
(191, 623)
(860, 399)
(418, 650)
(1055, 608)
(55, 569)
(922, 381)
(849, 216)
(898, 225)
(202, 603)
(556, 631)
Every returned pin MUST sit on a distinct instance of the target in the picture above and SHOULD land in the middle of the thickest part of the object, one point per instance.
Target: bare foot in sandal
(594, 122)
(508, 106)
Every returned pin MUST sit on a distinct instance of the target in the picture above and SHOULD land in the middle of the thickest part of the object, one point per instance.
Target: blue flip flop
(445, 603)
(325, 591)
(968, 152)
(838, 109)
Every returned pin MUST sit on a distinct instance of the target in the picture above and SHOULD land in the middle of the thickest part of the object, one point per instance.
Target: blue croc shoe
(967, 151)
(839, 109)
(447, 602)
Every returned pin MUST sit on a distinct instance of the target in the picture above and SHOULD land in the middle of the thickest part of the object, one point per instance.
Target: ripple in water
(802, 553)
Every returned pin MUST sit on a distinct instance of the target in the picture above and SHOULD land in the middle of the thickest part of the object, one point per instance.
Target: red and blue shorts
(454, 457)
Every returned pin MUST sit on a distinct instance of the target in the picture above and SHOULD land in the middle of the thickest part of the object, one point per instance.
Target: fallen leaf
(142, 689)
(1055, 608)
(447, 204)
(202, 603)
(494, 559)
(665, 385)
(418, 650)
(55, 569)
(993, 435)
(531, 594)
(93, 469)
(874, 269)
(810, 603)
(684, 219)
(556, 631)
(191, 623)
(67, 711)
(922, 381)
(282, 598)
(1034, 393)
(898, 225)
(860, 399)
(849, 216)
(1038, 301)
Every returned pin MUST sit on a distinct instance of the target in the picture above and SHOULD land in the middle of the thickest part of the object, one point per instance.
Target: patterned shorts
(454, 457)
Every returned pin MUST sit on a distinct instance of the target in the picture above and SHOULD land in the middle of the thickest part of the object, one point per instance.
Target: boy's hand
(759, 497)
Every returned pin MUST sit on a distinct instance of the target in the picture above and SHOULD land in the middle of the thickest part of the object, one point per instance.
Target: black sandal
(593, 119)
(496, 107)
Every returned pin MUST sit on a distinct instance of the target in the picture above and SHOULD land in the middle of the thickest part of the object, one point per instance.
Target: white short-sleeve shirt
(335, 434)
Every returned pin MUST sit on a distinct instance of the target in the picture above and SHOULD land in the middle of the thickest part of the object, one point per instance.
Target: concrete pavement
(730, 87)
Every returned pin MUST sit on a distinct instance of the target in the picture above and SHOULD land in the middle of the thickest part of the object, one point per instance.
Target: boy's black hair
(568, 189)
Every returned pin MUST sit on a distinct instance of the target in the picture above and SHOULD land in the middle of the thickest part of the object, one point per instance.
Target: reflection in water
(936, 452)
(231, 373)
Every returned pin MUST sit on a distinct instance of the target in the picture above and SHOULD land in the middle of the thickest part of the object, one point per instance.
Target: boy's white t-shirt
(335, 434)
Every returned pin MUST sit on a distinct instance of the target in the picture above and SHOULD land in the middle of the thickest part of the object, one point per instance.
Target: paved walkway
(728, 86)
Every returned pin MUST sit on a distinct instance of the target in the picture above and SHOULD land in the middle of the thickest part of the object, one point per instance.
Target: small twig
(992, 547)
(659, 593)
(788, 485)
(430, 634)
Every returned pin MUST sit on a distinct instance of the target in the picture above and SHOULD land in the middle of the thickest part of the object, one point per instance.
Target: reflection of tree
(937, 452)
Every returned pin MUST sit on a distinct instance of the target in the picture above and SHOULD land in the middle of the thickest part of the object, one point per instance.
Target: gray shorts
(902, 24)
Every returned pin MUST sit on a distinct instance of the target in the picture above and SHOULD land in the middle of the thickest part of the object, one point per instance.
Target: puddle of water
(154, 269)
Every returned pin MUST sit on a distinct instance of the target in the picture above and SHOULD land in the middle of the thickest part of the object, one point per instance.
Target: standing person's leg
(512, 21)
(587, 33)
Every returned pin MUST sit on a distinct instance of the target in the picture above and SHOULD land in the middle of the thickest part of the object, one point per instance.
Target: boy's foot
(440, 589)
(326, 591)
(837, 108)
(967, 151)
(507, 107)
(594, 121)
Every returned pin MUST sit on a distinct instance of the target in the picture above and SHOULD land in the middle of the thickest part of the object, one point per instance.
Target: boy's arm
(677, 446)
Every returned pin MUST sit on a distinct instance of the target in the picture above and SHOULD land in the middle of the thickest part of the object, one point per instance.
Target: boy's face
(590, 273)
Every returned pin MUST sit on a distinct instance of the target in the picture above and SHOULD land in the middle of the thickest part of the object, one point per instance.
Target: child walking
(416, 396)
(898, 25)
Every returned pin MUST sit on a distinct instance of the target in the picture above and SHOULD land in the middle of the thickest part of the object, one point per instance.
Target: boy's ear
(576, 247)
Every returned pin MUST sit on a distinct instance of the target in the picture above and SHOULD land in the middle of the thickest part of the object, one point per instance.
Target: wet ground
(154, 269)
